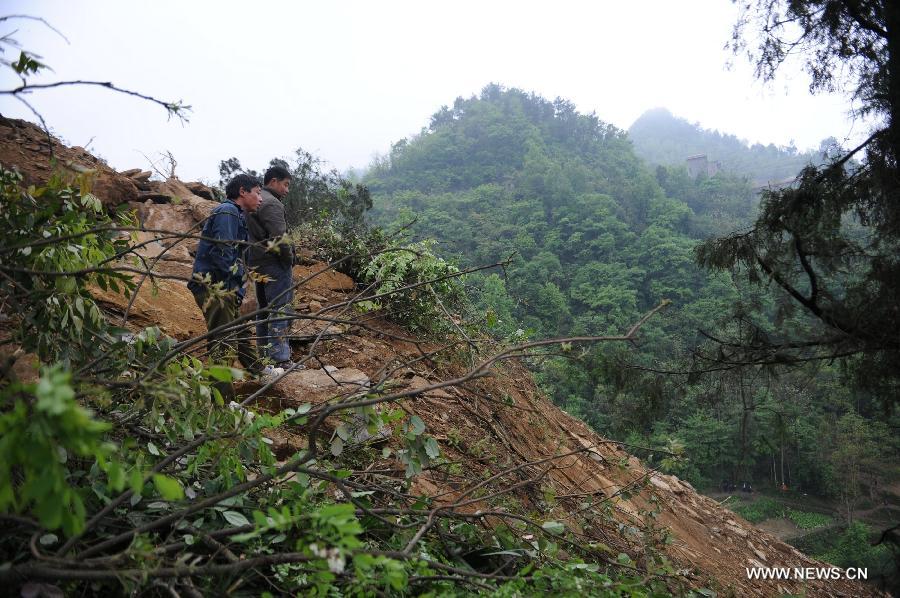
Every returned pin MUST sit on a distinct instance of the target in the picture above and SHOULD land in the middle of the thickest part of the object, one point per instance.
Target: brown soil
(782, 528)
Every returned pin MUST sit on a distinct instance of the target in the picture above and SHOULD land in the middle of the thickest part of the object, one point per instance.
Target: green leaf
(554, 527)
(235, 518)
(220, 372)
(154, 450)
(136, 481)
(169, 488)
(337, 447)
(431, 448)
(116, 476)
(416, 425)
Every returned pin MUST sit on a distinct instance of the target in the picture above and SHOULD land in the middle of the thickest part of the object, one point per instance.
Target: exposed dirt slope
(561, 470)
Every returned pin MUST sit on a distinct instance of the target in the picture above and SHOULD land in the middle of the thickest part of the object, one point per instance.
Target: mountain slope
(659, 137)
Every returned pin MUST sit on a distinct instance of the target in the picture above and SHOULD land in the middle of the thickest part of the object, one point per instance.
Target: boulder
(316, 386)
(171, 307)
(177, 192)
(17, 365)
(322, 277)
(201, 208)
(113, 189)
(201, 190)
(149, 247)
(153, 196)
(172, 218)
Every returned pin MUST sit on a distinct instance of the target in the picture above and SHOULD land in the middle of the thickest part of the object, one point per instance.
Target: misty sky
(346, 79)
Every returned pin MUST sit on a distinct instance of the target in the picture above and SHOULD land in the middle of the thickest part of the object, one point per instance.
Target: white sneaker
(270, 372)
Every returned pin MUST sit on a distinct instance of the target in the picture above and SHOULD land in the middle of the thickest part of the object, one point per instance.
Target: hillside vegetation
(597, 238)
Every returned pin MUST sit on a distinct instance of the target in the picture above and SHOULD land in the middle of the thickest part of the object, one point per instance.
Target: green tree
(831, 242)
(855, 453)
(315, 192)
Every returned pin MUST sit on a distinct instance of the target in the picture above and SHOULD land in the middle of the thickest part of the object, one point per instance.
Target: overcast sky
(346, 79)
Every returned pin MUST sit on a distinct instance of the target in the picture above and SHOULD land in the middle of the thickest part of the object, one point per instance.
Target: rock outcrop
(36, 155)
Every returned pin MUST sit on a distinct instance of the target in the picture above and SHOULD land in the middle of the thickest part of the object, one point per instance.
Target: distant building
(698, 164)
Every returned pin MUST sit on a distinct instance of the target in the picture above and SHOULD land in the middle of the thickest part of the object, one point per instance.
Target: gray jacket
(266, 224)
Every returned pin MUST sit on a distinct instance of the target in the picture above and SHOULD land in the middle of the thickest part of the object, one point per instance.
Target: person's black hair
(240, 181)
(279, 173)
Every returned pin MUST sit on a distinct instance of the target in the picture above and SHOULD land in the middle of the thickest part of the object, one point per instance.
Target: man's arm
(223, 254)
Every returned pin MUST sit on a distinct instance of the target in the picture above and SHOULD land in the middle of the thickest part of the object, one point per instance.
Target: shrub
(418, 288)
(350, 249)
(852, 548)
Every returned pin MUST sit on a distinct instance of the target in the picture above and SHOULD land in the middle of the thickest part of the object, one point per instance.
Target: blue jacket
(223, 260)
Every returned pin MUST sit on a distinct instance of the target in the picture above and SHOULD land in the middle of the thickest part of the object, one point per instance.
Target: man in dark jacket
(272, 255)
(217, 282)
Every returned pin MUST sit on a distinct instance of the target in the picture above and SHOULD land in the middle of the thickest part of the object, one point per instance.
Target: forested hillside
(595, 238)
(600, 237)
(659, 137)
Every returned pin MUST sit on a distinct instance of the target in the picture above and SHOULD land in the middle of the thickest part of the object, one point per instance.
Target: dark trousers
(222, 346)
(276, 294)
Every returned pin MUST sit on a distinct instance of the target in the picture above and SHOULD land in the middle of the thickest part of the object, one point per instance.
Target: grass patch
(760, 510)
(769, 508)
(807, 520)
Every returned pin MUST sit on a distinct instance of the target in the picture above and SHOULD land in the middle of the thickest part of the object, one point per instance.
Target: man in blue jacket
(217, 282)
